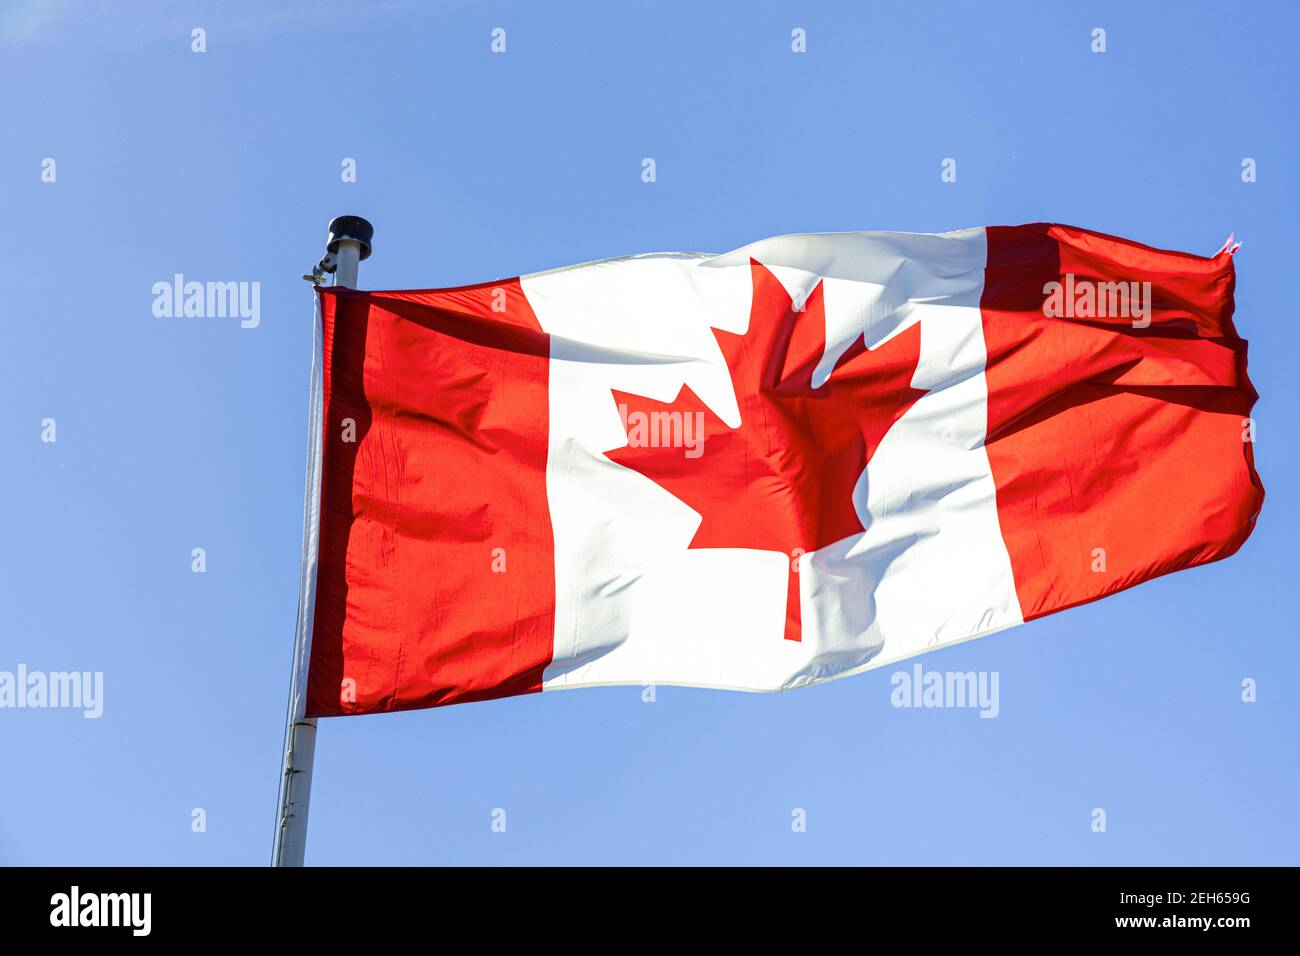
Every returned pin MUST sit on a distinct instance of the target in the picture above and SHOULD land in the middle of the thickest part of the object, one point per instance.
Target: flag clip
(326, 266)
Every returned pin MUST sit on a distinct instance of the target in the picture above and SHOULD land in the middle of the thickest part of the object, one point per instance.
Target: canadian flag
(792, 462)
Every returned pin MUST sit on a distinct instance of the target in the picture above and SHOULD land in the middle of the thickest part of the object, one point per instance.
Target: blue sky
(174, 434)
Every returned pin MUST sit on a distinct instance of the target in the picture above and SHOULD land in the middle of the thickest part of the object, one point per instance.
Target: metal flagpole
(347, 244)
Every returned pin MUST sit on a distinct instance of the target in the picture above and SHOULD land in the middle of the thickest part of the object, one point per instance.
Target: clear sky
(175, 434)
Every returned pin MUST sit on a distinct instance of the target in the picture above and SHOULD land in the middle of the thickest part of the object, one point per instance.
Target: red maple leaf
(782, 481)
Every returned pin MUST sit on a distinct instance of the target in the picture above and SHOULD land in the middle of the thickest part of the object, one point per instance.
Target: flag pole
(347, 244)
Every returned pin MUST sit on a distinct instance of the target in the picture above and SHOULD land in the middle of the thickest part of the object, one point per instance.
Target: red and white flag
(759, 470)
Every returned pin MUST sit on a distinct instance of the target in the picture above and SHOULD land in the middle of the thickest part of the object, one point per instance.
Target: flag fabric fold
(763, 469)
